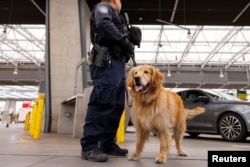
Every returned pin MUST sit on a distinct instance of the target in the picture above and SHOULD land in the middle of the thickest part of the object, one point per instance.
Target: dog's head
(143, 78)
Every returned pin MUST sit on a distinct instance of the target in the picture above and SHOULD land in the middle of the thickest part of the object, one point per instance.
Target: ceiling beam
(158, 44)
(230, 34)
(242, 52)
(189, 45)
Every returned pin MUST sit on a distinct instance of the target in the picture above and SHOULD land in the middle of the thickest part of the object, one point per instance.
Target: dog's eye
(145, 72)
(135, 73)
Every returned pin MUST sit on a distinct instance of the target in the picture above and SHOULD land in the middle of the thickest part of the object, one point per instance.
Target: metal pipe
(77, 67)
(165, 22)
(47, 124)
(238, 16)
(82, 21)
(38, 7)
(174, 10)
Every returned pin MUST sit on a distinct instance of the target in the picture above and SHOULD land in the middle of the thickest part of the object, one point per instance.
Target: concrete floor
(19, 149)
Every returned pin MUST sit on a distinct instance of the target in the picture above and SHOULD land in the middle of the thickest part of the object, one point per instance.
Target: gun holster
(99, 55)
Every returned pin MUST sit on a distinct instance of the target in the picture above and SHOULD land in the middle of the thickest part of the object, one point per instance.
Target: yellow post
(33, 118)
(120, 136)
(39, 116)
(27, 121)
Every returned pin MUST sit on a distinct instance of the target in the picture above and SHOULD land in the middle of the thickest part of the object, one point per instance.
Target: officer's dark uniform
(108, 95)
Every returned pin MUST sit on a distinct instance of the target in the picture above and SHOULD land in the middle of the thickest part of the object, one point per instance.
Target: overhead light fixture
(5, 29)
(165, 22)
(4, 34)
(188, 33)
(221, 74)
(169, 73)
(15, 72)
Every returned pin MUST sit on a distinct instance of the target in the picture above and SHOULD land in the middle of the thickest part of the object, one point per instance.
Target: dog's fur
(156, 109)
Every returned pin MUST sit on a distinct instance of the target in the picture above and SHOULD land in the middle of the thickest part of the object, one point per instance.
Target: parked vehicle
(225, 114)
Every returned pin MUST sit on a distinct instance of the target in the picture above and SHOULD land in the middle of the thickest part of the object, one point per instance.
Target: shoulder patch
(103, 10)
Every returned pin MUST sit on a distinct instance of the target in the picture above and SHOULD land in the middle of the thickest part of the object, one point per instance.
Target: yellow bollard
(120, 135)
(39, 116)
(33, 118)
(27, 121)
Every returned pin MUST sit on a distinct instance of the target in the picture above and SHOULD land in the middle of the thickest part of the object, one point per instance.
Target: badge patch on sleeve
(103, 10)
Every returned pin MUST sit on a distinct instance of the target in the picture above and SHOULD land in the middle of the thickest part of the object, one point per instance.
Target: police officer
(107, 98)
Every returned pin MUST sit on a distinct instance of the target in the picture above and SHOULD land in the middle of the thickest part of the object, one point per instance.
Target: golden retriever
(156, 109)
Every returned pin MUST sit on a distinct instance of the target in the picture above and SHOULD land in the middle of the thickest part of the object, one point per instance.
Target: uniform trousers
(105, 106)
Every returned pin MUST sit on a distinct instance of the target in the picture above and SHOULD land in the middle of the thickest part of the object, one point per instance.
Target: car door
(204, 121)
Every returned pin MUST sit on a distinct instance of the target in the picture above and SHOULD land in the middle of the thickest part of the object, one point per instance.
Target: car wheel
(194, 134)
(232, 127)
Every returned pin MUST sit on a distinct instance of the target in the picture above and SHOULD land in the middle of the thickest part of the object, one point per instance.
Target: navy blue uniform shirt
(107, 23)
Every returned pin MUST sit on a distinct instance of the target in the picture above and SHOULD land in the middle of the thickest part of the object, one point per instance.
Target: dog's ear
(157, 77)
(130, 78)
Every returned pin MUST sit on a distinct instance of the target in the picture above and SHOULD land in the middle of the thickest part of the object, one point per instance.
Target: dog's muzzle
(139, 87)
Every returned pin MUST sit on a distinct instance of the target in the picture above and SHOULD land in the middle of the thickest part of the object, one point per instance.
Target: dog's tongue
(139, 88)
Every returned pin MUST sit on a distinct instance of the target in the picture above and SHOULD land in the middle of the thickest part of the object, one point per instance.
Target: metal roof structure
(22, 58)
(205, 46)
(187, 12)
(21, 93)
(21, 44)
(181, 12)
(198, 59)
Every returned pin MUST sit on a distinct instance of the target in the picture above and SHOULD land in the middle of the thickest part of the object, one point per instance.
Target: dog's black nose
(137, 80)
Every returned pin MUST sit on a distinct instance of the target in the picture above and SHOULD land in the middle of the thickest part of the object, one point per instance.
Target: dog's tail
(195, 111)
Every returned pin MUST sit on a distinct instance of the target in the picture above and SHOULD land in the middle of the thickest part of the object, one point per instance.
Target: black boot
(115, 150)
(95, 155)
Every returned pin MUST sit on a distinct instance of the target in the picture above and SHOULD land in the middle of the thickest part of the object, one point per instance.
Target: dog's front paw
(133, 157)
(160, 159)
(182, 153)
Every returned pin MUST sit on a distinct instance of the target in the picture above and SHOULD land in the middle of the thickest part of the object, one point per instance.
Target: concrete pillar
(9, 107)
(65, 52)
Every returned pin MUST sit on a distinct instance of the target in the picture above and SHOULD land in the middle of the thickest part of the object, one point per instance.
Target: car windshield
(221, 95)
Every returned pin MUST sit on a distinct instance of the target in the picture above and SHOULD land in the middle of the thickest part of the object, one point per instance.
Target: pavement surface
(19, 149)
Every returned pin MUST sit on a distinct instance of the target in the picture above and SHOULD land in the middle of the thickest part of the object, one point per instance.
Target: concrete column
(9, 107)
(65, 52)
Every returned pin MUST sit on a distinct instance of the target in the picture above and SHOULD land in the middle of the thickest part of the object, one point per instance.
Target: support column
(10, 105)
(9, 108)
(65, 52)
